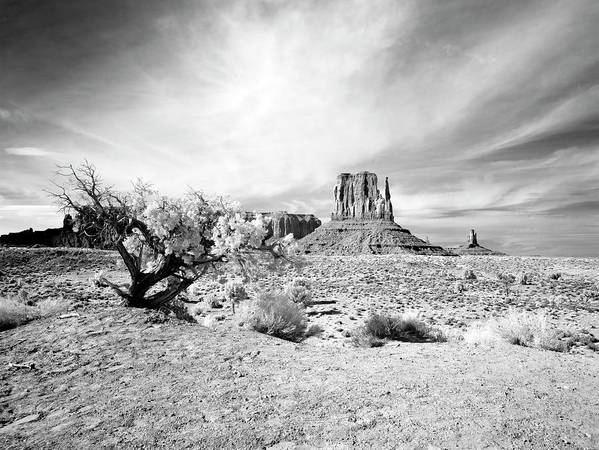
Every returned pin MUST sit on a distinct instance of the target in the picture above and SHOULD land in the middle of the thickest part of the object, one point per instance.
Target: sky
(483, 114)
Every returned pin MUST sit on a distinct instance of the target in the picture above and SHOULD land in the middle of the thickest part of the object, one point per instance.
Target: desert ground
(106, 376)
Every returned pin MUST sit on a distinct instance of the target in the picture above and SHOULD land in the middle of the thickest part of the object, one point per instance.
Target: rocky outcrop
(472, 247)
(362, 223)
(59, 237)
(472, 239)
(283, 223)
(357, 197)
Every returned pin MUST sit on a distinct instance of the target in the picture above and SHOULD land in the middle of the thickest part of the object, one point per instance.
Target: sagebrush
(276, 315)
(407, 328)
(520, 328)
(14, 312)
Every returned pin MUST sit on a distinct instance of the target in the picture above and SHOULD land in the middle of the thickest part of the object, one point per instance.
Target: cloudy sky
(483, 114)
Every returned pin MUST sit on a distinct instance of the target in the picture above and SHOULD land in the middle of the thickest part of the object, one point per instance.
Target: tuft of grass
(469, 274)
(360, 337)
(52, 307)
(298, 291)
(277, 315)
(407, 328)
(520, 328)
(14, 312)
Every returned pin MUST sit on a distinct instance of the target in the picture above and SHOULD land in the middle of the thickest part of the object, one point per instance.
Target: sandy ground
(112, 377)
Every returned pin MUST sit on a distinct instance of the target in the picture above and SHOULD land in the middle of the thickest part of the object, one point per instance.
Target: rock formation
(362, 223)
(357, 197)
(471, 247)
(58, 237)
(283, 223)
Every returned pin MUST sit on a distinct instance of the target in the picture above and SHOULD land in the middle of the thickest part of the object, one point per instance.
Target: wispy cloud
(27, 151)
(471, 108)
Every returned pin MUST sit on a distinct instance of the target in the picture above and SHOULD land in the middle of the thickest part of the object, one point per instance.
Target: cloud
(27, 151)
(473, 109)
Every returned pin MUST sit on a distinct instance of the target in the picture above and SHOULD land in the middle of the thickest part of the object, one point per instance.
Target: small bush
(14, 312)
(298, 291)
(277, 315)
(235, 291)
(520, 328)
(52, 307)
(407, 328)
(555, 276)
(362, 338)
(314, 330)
(469, 274)
(524, 279)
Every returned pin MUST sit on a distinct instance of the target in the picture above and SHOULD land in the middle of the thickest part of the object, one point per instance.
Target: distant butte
(362, 222)
(473, 248)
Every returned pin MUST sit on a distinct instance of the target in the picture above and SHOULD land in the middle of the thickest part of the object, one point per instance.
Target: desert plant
(277, 315)
(524, 279)
(164, 241)
(14, 312)
(520, 328)
(235, 292)
(407, 327)
(298, 291)
(555, 276)
(360, 337)
(507, 280)
(469, 274)
(52, 306)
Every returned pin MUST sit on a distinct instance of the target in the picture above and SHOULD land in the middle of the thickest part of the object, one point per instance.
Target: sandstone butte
(362, 222)
(472, 247)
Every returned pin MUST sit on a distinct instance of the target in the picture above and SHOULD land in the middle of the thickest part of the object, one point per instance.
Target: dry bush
(14, 312)
(524, 278)
(469, 274)
(276, 315)
(362, 338)
(520, 328)
(298, 291)
(235, 291)
(407, 328)
(52, 306)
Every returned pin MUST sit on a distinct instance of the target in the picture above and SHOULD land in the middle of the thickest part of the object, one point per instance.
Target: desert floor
(116, 377)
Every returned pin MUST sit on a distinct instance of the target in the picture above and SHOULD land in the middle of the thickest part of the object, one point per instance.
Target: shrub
(52, 306)
(408, 328)
(555, 276)
(520, 328)
(524, 279)
(469, 274)
(298, 291)
(277, 315)
(235, 291)
(362, 338)
(14, 313)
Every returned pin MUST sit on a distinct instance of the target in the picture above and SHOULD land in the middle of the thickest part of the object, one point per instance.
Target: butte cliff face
(472, 247)
(59, 237)
(357, 197)
(362, 223)
(283, 223)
